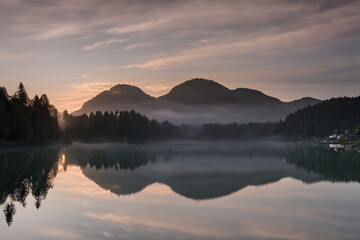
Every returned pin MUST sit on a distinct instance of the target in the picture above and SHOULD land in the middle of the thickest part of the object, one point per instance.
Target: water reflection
(25, 171)
(210, 170)
(196, 171)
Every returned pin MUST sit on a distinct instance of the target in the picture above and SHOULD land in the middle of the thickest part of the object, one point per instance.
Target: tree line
(319, 120)
(116, 126)
(24, 119)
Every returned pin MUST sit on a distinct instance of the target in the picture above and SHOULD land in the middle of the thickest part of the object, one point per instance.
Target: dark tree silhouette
(24, 172)
(118, 126)
(22, 95)
(9, 212)
(27, 120)
(36, 121)
(313, 121)
(320, 119)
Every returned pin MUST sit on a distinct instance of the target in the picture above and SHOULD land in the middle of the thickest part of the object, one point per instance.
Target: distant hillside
(119, 96)
(208, 92)
(320, 119)
(304, 102)
(196, 101)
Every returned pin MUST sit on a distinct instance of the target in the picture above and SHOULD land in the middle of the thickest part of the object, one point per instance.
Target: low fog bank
(223, 115)
(200, 114)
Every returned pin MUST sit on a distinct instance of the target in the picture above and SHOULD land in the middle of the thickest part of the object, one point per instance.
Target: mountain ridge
(196, 101)
(118, 94)
(203, 91)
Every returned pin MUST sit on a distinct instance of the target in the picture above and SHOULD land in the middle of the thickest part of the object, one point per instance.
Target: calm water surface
(194, 190)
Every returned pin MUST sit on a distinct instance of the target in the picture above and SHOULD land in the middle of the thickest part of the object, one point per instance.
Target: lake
(182, 190)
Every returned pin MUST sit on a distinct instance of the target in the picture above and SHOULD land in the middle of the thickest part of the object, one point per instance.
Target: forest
(317, 121)
(27, 120)
(36, 120)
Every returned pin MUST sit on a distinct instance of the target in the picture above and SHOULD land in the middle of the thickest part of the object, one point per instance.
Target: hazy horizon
(73, 50)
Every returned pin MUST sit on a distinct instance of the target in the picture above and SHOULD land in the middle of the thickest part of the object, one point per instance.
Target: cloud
(315, 36)
(160, 88)
(4, 55)
(72, 97)
(102, 43)
(56, 32)
(82, 76)
(134, 46)
(144, 26)
(86, 37)
(196, 38)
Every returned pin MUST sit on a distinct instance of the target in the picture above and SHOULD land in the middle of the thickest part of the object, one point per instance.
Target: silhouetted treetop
(23, 119)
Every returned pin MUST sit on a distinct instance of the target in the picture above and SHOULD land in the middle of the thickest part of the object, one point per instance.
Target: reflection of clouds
(58, 233)
(164, 223)
(83, 186)
(287, 209)
(158, 188)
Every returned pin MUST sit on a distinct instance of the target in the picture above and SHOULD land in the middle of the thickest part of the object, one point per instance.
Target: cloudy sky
(74, 49)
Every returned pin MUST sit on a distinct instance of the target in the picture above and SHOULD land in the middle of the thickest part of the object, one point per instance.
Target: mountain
(304, 102)
(198, 91)
(203, 91)
(197, 101)
(121, 95)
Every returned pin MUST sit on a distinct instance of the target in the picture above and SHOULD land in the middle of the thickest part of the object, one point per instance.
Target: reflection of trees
(22, 172)
(32, 171)
(131, 157)
(333, 166)
(118, 157)
(318, 159)
(9, 212)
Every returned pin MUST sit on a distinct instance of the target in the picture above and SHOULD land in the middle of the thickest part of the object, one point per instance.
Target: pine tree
(22, 95)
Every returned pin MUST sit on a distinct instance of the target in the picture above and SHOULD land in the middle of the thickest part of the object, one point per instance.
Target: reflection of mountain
(197, 186)
(193, 170)
(212, 170)
(196, 101)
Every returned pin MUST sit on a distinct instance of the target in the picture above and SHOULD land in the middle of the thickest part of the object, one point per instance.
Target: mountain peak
(208, 97)
(204, 91)
(303, 102)
(200, 84)
(125, 89)
(197, 91)
(120, 94)
(201, 81)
